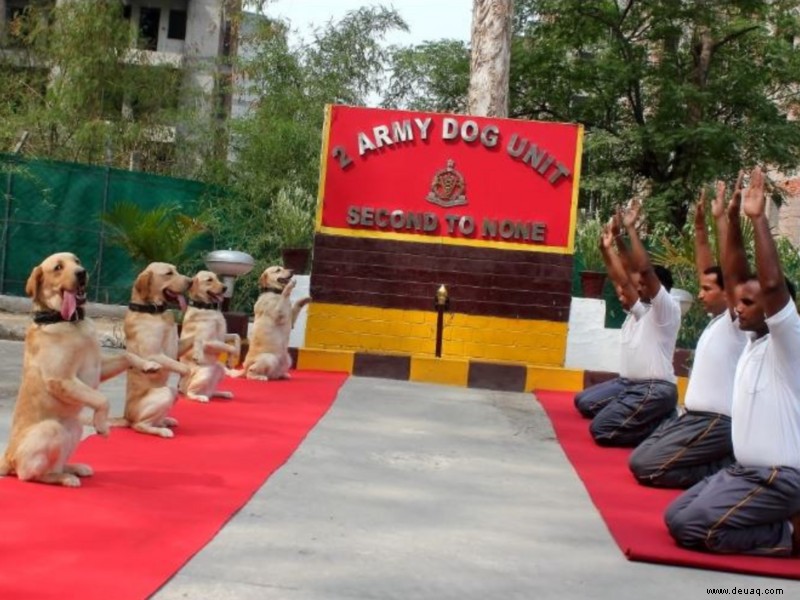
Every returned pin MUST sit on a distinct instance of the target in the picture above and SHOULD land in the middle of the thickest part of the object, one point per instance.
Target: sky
(427, 19)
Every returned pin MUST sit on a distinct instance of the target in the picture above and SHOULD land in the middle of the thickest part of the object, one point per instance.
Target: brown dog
(62, 369)
(151, 333)
(205, 325)
(268, 354)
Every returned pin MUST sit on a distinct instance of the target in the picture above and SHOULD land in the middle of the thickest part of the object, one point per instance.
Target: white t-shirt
(648, 338)
(765, 417)
(711, 380)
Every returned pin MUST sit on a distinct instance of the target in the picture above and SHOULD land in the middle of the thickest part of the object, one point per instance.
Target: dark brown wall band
(405, 275)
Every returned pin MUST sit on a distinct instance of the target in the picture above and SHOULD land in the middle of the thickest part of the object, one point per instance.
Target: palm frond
(159, 234)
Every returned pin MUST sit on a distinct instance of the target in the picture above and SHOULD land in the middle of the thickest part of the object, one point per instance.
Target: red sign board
(449, 178)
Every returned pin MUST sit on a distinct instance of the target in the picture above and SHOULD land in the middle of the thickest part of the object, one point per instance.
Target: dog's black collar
(47, 317)
(271, 290)
(206, 305)
(153, 309)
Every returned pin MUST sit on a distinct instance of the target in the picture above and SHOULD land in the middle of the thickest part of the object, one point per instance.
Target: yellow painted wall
(369, 329)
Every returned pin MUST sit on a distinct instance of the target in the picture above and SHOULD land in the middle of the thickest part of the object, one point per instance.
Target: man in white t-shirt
(697, 443)
(625, 410)
(753, 505)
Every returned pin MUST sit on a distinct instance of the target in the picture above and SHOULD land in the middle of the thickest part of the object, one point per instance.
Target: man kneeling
(696, 444)
(753, 506)
(626, 410)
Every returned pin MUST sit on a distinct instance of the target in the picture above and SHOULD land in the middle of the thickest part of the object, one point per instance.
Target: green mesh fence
(54, 206)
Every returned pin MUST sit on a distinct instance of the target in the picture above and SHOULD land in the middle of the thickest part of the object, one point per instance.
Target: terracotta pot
(296, 259)
(592, 283)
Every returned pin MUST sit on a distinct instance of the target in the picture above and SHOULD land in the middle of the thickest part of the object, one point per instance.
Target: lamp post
(228, 265)
(441, 304)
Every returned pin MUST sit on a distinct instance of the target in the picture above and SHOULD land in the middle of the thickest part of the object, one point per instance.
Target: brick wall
(372, 294)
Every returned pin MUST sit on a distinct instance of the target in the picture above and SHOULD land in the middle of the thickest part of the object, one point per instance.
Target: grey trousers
(683, 450)
(743, 510)
(624, 412)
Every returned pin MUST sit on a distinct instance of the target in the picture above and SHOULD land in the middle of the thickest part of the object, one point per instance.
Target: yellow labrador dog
(151, 333)
(204, 324)
(62, 369)
(268, 354)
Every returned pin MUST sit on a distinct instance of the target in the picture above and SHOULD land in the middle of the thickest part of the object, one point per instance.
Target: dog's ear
(34, 281)
(263, 281)
(142, 285)
(194, 287)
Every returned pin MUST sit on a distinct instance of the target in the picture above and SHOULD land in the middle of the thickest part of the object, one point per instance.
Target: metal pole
(439, 330)
(101, 237)
(7, 209)
(6, 217)
(441, 303)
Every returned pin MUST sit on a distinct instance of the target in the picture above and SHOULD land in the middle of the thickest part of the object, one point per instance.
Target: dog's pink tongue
(182, 302)
(68, 305)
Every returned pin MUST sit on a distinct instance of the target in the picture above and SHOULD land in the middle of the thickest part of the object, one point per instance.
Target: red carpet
(634, 513)
(153, 503)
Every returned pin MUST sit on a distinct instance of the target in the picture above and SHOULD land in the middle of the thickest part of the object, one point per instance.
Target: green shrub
(587, 244)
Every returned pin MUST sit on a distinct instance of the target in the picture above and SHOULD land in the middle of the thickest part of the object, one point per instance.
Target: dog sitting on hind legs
(62, 370)
(205, 325)
(274, 315)
(151, 332)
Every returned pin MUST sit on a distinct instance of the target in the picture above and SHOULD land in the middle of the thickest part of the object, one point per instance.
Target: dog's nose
(80, 275)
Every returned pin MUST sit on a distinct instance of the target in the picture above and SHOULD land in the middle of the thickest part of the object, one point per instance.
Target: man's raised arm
(703, 258)
(640, 261)
(616, 270)
(774, 292)
(734, 258)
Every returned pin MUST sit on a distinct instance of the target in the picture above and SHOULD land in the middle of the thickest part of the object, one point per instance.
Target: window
(148, 27)
(15, 24)
(177, 25)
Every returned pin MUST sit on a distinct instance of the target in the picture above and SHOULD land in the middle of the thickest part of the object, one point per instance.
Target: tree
(276, 146)
(100, 102)
(672, 94)
(491, 53)
(433, 76)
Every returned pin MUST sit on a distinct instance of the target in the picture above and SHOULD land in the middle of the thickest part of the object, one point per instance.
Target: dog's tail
(298, 306)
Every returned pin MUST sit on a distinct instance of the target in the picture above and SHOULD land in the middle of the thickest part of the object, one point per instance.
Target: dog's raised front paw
(150, 366)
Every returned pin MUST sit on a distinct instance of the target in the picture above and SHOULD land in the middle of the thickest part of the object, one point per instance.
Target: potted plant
(590, 257)
(291, 220)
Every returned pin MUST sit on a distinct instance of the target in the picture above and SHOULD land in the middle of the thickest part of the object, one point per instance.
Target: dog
(62, 370)
(152, 333)
(204, 323)
(274, 315)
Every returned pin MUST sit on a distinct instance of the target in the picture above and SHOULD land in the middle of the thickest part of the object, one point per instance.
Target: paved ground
(419, 492)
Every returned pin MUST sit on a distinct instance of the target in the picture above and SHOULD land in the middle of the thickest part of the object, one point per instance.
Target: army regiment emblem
(447, 187)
